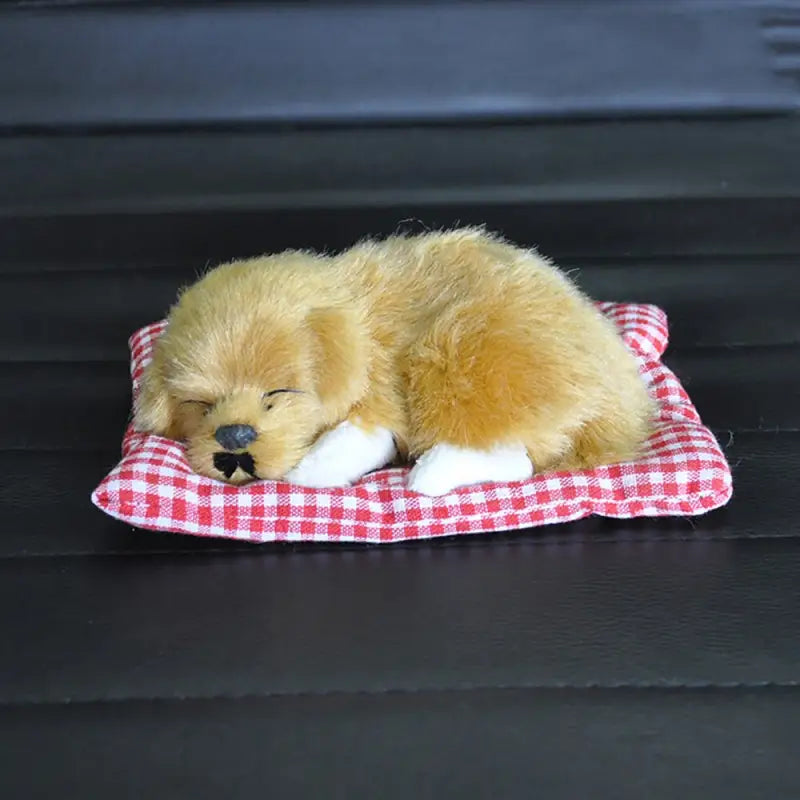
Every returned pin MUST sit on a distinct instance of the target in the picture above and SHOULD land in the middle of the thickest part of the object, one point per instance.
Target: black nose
(235, 437)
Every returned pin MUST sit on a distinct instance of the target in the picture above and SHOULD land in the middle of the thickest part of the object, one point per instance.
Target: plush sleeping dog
(476, 360)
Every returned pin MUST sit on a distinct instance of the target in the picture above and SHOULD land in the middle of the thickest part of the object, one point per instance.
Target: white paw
(446, 467)
(342, 456)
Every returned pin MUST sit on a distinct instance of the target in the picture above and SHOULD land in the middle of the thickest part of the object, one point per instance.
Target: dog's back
(498, 345)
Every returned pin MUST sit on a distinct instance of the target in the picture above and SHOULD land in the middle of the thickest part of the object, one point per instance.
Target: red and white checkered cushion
(684, 473)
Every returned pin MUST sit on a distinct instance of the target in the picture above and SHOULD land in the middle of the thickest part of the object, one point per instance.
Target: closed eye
(267, 395)
(204, 404)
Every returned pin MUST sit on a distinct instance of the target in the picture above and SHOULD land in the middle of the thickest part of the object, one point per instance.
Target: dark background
(652, 147)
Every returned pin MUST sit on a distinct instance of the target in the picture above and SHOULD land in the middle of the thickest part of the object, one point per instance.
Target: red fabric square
(683, 473)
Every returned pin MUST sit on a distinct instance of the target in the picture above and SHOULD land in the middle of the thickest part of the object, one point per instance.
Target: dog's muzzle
(232, 438)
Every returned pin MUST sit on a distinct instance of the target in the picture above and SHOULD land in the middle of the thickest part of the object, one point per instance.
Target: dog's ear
(340, 357)
(154, 409)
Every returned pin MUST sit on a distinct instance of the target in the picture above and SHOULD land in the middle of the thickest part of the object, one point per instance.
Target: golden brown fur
(453, 337)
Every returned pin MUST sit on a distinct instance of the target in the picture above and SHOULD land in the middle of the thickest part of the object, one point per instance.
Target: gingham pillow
(683, 473)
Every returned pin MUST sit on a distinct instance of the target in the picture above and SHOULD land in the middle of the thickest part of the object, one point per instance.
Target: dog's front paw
(316, 474)
(446, 467)
(342, 456)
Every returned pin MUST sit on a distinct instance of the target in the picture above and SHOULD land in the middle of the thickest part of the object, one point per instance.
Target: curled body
(449, 348)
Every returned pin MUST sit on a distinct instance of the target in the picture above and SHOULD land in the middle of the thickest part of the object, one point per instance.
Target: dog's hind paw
(446, 467)
(342, 456)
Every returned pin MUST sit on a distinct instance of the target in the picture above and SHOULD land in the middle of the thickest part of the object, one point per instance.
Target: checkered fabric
(683, 473)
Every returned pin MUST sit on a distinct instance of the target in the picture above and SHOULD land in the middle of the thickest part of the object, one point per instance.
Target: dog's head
(258, 358)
